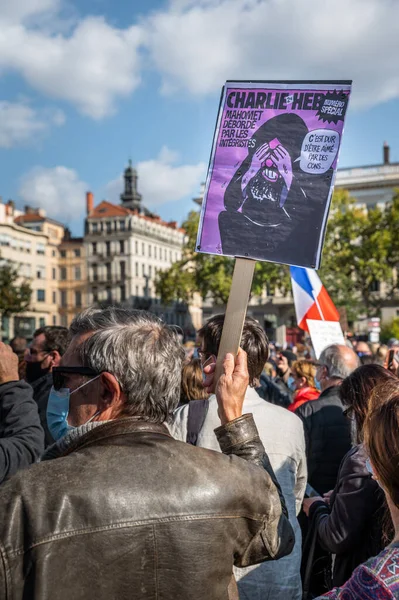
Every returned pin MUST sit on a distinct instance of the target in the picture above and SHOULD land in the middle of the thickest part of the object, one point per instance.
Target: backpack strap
(197, 411)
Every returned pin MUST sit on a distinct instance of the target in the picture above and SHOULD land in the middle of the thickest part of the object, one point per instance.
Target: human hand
(327, 496)
(282, 160)
(261, 154)
(307, 503)
(8, 364)
(232, 386)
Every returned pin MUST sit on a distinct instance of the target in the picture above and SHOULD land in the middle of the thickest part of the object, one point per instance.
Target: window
(109, 294)
(94, 248)
(123, 293)
(63, 253)
(122, 246)
(137, 290)
(143, 270)
(64, 321)
(95, 295)
(95, 273)
(77, 252)
(63, 298)
(108, 248)
(54, 273)
(136, 247)
(54, 297)
(108, 267)
(53, 253)
(63, 273)
(170, 255)
(109, 226)
(122, 225)
(41, 273)
(78, 299)
(40, 249)
(123, 269)
(78, 273)
(41, 295)
(155, 251)
(150, 271)
(54, 320)
(42, 322)
(142, 249)
(137, 269)
(94, 227)
(149, 250)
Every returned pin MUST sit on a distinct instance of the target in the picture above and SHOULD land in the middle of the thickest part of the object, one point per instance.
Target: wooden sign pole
(236, 310)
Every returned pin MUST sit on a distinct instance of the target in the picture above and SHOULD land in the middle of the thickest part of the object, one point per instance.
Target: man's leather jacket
(129, 512)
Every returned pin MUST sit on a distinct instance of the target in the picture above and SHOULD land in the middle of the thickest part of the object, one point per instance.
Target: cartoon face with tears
(269, 196)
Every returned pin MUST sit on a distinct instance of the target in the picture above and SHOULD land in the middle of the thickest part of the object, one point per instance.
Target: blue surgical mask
(317, 383)
(291, 383)
(58, 410)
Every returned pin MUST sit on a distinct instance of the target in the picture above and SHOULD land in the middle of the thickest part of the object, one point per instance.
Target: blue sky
(87, 84)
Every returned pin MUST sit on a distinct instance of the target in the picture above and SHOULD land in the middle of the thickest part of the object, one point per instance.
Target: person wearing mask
(44, 353)
(327, 429)
(363, 349)
(282, 435)
(284, 378)
(378, 578)
(21, 435)
(118, 508)
(303, 373)
(349, 520)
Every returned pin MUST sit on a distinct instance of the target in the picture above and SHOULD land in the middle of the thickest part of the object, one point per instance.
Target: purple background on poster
(227, 159)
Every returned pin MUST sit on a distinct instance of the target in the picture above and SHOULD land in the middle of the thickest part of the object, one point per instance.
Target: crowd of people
(150, 478)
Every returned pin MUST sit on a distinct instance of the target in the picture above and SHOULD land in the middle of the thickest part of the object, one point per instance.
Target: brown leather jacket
(130, 512)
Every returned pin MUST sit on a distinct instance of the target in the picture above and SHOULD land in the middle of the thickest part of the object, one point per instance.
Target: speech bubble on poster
(319, 150)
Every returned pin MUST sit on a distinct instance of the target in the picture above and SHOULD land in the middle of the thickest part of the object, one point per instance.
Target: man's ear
(111, 395)
(55, 358)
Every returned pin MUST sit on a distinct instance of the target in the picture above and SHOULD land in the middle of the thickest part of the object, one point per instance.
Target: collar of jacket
(45, 380)
(117, 427)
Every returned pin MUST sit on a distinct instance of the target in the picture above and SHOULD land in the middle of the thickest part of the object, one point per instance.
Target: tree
(14, 297)
(357, 255)
(211, 274)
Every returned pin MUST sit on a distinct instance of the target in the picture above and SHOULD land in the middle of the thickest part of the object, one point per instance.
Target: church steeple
(130, 197)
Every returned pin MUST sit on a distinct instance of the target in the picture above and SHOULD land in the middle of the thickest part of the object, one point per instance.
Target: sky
(86, 85)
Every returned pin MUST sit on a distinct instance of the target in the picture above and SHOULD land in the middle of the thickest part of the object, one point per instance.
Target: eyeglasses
(60, 374)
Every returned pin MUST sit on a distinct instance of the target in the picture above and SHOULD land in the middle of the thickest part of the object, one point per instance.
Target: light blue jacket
(282, 435)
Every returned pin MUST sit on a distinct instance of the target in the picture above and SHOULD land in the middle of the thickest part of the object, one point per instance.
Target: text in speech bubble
(319, 149)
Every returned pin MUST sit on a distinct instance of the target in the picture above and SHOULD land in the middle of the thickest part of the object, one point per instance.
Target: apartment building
(72, 282)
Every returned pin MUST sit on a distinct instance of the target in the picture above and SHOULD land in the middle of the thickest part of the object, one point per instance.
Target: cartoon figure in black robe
(273, 209)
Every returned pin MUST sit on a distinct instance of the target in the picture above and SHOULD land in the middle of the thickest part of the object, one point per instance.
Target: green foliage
(210, 274)
(14, 297)
(390, 330)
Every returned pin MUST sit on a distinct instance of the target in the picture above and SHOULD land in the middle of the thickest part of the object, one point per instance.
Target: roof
(106, 209)
(29, 218)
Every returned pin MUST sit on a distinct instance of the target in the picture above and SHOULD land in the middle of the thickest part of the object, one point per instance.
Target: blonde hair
(191, 382)
(306, 369)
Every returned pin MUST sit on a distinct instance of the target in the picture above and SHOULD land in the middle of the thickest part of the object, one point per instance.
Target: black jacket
(129, 512)
(41, 390)
(353, 528)
(21, 436)
(328, 438)
(270, 391)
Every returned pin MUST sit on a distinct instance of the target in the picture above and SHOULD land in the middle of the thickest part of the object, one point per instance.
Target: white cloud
(162, 180)
(90, 66)
(58, 190)
(20, 124)
(198, 45)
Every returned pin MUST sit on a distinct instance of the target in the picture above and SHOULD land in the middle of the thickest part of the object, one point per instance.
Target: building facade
(126, 246)
(73, 284)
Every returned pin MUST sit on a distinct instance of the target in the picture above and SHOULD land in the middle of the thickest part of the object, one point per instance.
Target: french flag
(311, 298)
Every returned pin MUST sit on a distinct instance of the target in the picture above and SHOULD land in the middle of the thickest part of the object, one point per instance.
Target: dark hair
(18, 344)
(191, 382)
(253, 340)
(56, 338)
(356, 390)
(381, 436)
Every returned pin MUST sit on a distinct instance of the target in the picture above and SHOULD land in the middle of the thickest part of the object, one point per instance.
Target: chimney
(386, 154)
(89, 202)
(10, 206)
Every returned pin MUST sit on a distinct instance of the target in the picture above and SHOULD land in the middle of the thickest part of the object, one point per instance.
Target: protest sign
(324, 333)
(272, 169)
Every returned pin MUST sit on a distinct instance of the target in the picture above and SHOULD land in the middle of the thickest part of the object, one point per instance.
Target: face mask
(34, 370)
(317, 384)
(58, 410)
(291, 383)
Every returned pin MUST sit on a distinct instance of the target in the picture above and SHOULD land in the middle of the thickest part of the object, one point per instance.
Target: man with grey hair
(123, 510)
(327, 429)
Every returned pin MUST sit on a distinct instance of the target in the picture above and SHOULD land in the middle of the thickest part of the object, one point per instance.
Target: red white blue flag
(311, 298)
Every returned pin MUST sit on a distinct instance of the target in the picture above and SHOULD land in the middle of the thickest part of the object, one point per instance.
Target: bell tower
(130, 197)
